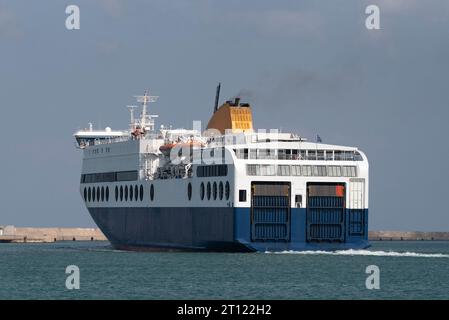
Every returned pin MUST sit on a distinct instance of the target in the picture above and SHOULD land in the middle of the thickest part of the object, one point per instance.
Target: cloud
(9, 25)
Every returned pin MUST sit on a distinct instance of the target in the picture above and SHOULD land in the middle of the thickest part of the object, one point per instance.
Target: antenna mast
(133, 122)
(145, 99)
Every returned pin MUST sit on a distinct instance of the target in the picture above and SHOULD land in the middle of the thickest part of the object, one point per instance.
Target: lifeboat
(166, 148)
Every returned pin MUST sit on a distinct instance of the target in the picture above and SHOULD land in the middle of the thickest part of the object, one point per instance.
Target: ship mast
(145, 99)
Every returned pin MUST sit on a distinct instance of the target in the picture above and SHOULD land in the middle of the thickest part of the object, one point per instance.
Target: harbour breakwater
(408, 236)
(26, 235)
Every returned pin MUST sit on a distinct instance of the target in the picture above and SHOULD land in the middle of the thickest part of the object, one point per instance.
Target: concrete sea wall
(408, 236)
(15, 234)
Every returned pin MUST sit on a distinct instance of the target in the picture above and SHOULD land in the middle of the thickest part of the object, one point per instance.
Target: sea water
(406, 270)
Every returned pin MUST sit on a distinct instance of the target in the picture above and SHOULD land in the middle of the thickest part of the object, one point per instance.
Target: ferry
(230, 188)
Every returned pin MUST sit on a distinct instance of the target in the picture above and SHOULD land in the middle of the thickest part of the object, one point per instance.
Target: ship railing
(291, 154)
(173, 172)
(111, 140)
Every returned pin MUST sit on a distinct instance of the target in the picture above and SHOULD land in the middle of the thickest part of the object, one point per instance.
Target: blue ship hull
(224, 229)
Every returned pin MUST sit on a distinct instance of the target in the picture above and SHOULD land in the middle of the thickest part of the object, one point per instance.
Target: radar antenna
(145, 99)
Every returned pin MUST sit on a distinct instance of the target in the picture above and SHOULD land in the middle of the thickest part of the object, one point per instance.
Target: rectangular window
(282, 155)
(218, 170)
(253, 153)
(262, 154)
(266, 154)
(295, 154)
(306, 171)
(349, 155)
(252, 170)
(303, 155)
(283, 170)
(349, 171)
(338, 155)
(319, 171)
(338, 171)
(311, 155)
(329, 155)
(267, 170)
(109, 176)
(296, 170)
(126, 175)
(242, 195)
(320, 154)
(357, 156)
(334, 171)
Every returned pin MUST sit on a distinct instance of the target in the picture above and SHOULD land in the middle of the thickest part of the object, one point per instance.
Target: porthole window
(227, 190)
(208, 191)
(214, 190)
(131, 193)
(85, 194)
(93, 194)
(141, 193)
(202, 191)
(121, 193)
(102, 194)
(136, 193)
(89, 194)
(98, 194)
(189, 191)
(107, 193)
(116, 193)
(220, 190)
(152, 192)
(126, 193)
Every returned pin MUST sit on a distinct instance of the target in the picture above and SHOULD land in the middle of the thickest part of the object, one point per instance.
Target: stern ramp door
(325, 212)
(270, 211)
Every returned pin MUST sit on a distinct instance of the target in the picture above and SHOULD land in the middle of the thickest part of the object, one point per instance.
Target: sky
(305, 66)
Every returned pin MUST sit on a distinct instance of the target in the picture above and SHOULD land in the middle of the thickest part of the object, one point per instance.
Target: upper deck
(230, 138)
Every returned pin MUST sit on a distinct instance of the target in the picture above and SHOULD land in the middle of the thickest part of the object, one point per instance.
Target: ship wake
(352, 252)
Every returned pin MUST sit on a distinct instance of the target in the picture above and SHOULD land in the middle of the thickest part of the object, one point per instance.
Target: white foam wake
(352, 252)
